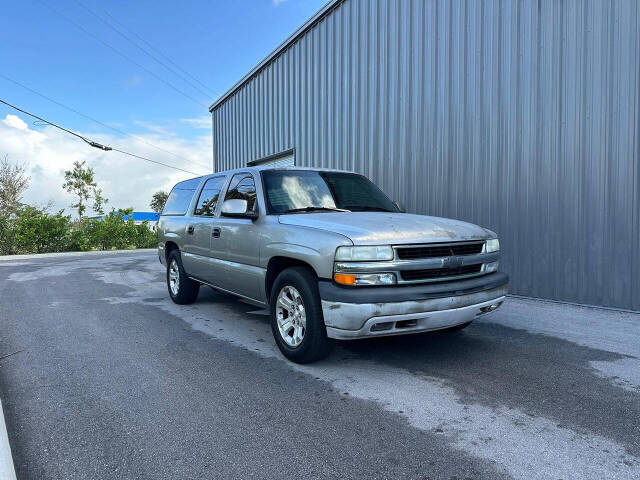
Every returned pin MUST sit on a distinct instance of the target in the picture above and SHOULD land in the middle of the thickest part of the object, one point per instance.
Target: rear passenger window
(180, 197)
(209, 197)
(242, 187)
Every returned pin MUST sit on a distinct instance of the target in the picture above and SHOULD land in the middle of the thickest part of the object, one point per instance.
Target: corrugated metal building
(521, 116)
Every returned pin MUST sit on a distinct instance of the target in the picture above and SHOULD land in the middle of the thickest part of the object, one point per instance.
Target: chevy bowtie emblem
(451, 262)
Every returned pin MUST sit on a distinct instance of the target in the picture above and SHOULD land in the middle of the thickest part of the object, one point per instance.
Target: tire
(456, 328)
(183, 290)
(305, 340)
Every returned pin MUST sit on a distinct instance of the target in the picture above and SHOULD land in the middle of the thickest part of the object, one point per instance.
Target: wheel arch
(169, 247)
(279, 263)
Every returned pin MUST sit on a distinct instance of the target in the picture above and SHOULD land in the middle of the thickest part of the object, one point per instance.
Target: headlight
(491, 267)
(491, 245)
(364, 254)
(365, 278)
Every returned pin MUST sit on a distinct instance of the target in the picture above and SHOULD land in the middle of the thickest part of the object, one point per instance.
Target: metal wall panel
(521, 116)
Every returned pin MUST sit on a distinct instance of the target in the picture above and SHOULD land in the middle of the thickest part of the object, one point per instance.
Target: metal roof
(308, 25)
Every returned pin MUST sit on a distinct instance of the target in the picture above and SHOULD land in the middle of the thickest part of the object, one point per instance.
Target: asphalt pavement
(113, 380)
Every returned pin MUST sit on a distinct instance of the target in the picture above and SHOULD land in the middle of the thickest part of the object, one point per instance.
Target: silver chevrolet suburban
(329, 254)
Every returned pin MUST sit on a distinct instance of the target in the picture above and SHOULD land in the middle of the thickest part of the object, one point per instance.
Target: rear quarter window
(180, 197)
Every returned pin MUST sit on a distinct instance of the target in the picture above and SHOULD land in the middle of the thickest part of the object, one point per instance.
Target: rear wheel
(182, 289)
(296, 316)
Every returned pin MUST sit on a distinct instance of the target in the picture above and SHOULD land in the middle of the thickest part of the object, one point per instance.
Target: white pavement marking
(7, 471)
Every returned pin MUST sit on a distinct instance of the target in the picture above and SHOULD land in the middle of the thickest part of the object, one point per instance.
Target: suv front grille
(413, 253)
(435, 273)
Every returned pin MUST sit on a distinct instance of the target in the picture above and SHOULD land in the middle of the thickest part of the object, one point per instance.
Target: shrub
(78, 240)
(145, 238)
(37, 231)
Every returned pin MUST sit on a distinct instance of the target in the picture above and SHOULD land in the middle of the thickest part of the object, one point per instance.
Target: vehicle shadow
(497, 366)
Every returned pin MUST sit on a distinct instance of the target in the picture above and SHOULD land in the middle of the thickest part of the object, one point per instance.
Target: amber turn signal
(344, 278)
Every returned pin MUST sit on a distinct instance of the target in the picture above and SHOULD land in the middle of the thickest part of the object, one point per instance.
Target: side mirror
(237, 208)
(400, 206)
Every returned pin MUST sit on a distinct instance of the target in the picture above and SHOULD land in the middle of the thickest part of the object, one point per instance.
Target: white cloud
(278, 2)
(15, 122)
(125, 180)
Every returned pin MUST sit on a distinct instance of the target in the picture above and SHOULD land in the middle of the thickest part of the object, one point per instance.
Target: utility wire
(92, 143)
(142, 140)
(211, 92)
(124, 55)
(144, 50)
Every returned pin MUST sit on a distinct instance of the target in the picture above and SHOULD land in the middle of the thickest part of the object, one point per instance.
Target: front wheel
(182, 289)
(296, 316)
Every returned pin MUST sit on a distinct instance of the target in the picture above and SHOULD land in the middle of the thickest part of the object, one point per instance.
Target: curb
(7, 471)
(8, 258)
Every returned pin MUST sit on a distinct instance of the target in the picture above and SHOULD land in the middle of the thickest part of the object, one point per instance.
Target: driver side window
(242, 187)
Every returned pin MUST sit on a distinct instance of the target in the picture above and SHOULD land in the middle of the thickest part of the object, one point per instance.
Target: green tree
(13, 183)
(7, 235)
(99, 201)
(80, 182)
(158, 200)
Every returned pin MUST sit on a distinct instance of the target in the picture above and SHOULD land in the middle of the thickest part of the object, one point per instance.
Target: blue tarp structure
(142, 216)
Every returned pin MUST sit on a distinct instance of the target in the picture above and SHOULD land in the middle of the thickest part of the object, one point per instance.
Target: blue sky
(216, 42)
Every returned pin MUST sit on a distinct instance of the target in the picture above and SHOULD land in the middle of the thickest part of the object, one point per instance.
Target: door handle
(215, 233)
(190, 229)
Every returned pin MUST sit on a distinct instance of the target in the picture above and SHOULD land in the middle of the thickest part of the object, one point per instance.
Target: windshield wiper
(314, 209)
(367, 208)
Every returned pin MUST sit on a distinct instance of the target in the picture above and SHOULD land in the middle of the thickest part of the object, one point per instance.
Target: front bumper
(381, 311)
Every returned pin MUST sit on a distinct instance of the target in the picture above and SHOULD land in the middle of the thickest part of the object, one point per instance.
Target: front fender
(313, 257)
(311, 246)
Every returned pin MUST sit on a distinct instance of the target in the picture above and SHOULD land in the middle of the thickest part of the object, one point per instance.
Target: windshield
(300, 191)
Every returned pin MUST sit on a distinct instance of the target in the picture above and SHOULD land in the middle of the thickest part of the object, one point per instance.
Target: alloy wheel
(291, 316)
(174, 277)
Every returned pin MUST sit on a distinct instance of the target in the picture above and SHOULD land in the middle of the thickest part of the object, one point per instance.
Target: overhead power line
(91, 142)
(123, 55)
(211, 92)
(117, 130)
(180, 75)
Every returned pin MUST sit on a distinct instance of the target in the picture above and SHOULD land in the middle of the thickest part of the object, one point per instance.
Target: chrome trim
(420, 264)
(396, 266)
(440, 244)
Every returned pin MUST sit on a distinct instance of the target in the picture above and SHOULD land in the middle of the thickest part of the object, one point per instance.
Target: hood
(380, 228)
